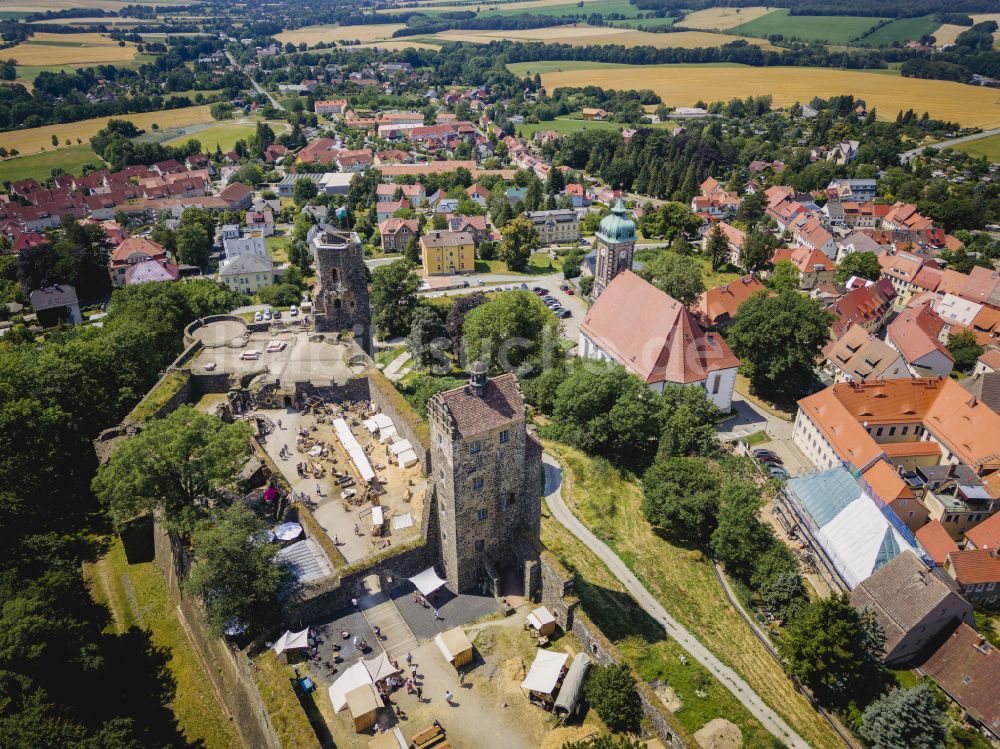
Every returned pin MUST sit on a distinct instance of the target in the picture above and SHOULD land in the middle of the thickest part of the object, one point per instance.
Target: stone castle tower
(340, 301)
(487, 477)
(615, 247)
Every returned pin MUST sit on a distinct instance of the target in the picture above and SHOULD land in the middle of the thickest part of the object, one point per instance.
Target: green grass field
(644, 24)
(40, 165)
(832, 29)
(224, 135)
(901, 30)
(988, 147)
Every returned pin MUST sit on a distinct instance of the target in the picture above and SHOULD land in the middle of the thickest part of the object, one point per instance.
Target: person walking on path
(413, 670)
(420, 693)
(461, 678)
(409, 659)
(437, 616)
(448, 696)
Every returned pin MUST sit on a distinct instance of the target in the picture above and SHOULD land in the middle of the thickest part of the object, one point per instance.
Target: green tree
(439, 222)
(605, 741)
(514, 328)
(427, 339)
(670, 221)
(678, 276)
(533, 197)
(262, 138)
(178, 465)
(612, 692)
(680, 499)
(779, 338)
(519, 239)
(741, 537)
(688, 418)
(412, 251)
(756, 251)
(304, 191)
(394, 296)
(235, 573)
(784, 277)
(964, 348)
(717, 247)
(832, 649)
(555, 183)
(194, 245)
(860, 264)
(904, 719)
(279, 295)
(751, 210)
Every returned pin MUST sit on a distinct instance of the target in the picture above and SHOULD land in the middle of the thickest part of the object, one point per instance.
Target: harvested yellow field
(35, 139)
(680, 86)
(485, 6)
(980, 17)
(582, 35)
(721, 19)
(27, 6)
(106, 20)
(312, 35)
(948, 33)
(69, 49)
(402, 43)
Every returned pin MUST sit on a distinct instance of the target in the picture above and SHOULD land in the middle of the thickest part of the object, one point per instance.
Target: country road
(906, 156)
(726, 676)
(274, 102)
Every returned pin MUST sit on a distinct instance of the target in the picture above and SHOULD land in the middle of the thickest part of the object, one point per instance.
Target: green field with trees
(830, 29)
(899, 31)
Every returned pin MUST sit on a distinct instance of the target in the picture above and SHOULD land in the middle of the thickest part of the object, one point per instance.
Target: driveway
(749, 419)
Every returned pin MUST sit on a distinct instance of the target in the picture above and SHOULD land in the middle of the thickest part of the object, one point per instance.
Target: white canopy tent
(387, 435)
(380, 668)
(407, 459)
(292, 641)
(572, 686)
(354, 449)
(396, 448)
(354, 677)
(288, 531)
(428, 581)
(378, 516)
(377, 423)
(541, 618)
(544, 672)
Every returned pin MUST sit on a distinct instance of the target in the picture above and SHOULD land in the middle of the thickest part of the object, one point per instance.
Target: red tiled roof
(986, 535)
(974, 566)
(722, 301)
(132, 245)
(652, 334)
(936, 542)
(915, 333)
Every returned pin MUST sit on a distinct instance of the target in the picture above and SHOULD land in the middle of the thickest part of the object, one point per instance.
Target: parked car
(277, 314)
(294, 311)
(569, 291)
(563, 314)
(762, 453)
(267, 314)
(258, 316)
(779, 473)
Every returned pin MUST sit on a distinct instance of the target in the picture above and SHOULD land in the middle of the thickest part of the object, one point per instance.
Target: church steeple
(615, 247)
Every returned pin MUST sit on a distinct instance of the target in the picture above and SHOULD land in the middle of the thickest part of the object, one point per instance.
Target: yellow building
(448, 252)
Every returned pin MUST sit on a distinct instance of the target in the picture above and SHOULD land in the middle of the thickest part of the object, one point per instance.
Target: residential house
(809, 232)
(977, 571)
(247, 274)
(397, 232)
(56, 304)
(230, 231)
(844, 152)
(901, 268)
(151, 271)
(594, 113)
(734, 241)
(447, 253)
(936, 542)
(967, 668)
(858, 356)
(238, 196)
(239, 246)
(985, 387)
(353, 161)
(656, 338)
(988, 362)
(577, 194)
(133, 250)
(330, 106)
(912, 602)
(815, 268)
(260, 221)
(857, 241)
(916, 334)
(904, 218)
(985, 535)
(386, 193)
(478, 194)
(858, 190)
(557, 226)
(716, 307)
(275, 153)
(474, 225)
(385, 211)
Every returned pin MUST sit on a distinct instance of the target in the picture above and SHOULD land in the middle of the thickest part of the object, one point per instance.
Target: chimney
(477, 378)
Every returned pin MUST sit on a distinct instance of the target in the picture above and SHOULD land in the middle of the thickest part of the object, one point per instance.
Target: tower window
(482, 514)
(475, 447)
(504, 437)
(477, 483)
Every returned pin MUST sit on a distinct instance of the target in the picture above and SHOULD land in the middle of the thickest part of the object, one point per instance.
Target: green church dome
(617, 227)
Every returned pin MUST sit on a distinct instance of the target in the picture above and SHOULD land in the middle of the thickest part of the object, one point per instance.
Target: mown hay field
(947, 33)
(528, 6)
(988, 147)
(833, 29)
(69, 49)
(582, 35)
(32, 6)
(311, 35)
(680, 86)
(721, 19)
(33, 140)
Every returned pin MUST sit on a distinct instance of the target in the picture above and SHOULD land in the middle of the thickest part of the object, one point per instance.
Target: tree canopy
(904, 719)
(676, 275)
(519, 240)
(510, 330)
(394, 297)
(861, 264)
(611, 691)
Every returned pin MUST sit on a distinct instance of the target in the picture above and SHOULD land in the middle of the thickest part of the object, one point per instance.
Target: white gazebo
(427, 582)
(544, 674)
(292, 641)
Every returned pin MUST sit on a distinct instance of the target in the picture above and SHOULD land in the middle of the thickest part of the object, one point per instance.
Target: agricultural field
(32, 6)
(723, 19)
(69, 49)
(832, 29)
(623, 7)
(522, 69)
(566, 125)
(530, 6)
(980, 17)
(947, 33)
(105, 20)
(36, 139)
(223, 135)
(679, 86)
(988, 147)
(39, 166)
(901, 30)
(312, 35)
(582, 35)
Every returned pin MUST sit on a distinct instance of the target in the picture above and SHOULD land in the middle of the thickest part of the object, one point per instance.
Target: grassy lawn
(683, 581)
(538, 264)
(40, 165)
(757, 438)
(783, 410)
(224, 135)
(988, 147)
(901, 30)
(284, 706)
(137, 596)
(159, 396)
(384, 356)
(713, 278)
(833, 29)
(277, 245)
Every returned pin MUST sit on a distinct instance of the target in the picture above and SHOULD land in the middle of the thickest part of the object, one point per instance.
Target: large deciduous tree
(427, 340)
(717, 247)
(611, 691)
(680, 498)
(860, 264)
(394, 296)
(510, 330)
(519, 239)
(678, 276)
(178, 465)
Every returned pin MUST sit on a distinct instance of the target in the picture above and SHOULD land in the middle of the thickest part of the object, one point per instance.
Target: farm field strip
(901, 30)
(329, 33)
(833, 29)
(528, 6)
(723, 19)
(46, 48)
(39, 166)
(583, 35)
(971, 106)
(988, 147)
(33, 140)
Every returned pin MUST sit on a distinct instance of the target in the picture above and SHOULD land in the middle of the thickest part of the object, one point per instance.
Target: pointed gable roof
(652, 334)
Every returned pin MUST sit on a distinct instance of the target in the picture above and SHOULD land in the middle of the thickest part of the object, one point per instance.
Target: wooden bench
(429, 737)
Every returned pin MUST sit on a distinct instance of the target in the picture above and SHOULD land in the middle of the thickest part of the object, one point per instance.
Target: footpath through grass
(609, 502)
(137, 596)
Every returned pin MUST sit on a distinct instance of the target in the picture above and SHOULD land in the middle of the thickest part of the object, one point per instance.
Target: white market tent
(572, 686)
(541, 619)
(407, 459)
(354, 449)
(544, 672)
(387, 435)
(292, 641)
(354, 677)
(396, 448)
(378, 516)
(377, 423)
(427, 581)
(381, 668)
(288, 531)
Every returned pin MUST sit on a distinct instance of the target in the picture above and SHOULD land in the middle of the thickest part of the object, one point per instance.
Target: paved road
(257, 86)
(750, 419)
(906, 156)
(740, 689)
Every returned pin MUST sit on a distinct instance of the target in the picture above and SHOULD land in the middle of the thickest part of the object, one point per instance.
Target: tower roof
(617, 226)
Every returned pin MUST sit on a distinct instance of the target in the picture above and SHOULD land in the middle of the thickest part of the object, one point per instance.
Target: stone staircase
(380, 611)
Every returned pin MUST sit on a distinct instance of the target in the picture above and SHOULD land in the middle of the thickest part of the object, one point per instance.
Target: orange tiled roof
(722, 301)
(936, 542)
(986, 535)
(975, 566)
